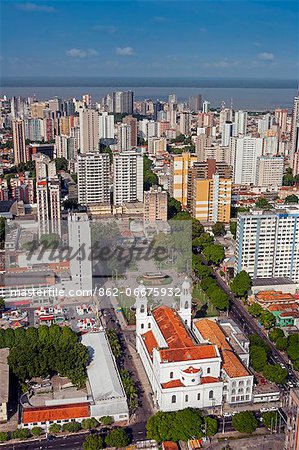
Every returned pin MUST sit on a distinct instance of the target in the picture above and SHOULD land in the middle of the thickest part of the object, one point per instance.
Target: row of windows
(211, 396)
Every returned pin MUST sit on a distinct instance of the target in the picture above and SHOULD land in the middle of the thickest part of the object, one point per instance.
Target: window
(211, 394)
(247, 390)
(142, 326)
(186, 398)
(173, 399)
(198, 396)
(186, 305)
(149, 325)
(142, 309)
(209, 370)
(233, 391)
(171, 375)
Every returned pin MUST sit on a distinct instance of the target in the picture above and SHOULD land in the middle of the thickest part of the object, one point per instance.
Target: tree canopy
(263, 203)
(214, 253)
(241, 284)
(93, 442)
(244, 422)
(117, 438)
(291, 199)
(218, 229)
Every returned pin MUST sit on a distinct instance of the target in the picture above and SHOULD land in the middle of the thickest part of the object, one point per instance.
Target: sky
(199, 38)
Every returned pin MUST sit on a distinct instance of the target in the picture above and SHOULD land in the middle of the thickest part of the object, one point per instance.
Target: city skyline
(165, 38)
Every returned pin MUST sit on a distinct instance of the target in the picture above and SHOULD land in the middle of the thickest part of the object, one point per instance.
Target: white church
(189, 363)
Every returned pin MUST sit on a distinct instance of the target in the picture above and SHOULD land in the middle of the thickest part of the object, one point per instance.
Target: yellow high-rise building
(179, 176)
(211, 200)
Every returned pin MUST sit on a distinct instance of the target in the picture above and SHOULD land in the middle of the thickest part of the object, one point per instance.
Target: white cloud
(80, 53)
(110, 29)
(266, 56)
(35, 7)
(124, 51)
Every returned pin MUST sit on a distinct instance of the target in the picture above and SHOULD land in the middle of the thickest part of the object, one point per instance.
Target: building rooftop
(62, 412)
(274, 296)
(172, 328)
(212, 332)
(4, 375)
(103, 375)
(272, 281)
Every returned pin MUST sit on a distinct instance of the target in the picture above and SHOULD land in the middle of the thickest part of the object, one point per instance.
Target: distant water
(257, 95)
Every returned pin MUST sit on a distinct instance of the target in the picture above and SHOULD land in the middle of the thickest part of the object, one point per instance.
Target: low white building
(104, 386)
(188, 364)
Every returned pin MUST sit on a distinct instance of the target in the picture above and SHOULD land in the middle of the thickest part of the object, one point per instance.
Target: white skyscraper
(267, 243)
(205, 107)
(240, 122)
(93, 178)
(294, 150)
(127, 178)
(269, 171)
(244, 153)
(228, 130)
(124, 137)
(106, 126)
(89, 131)
(185, 122)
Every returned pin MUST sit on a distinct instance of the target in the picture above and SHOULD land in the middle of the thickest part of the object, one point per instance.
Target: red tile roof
(172, 384)
(274, 296)
(169, 445)
(191, 370)
(205, 380)
(150, 341)
(211, 331)
(201, 351)
(172, 328)
(283, 307)
(63, 412)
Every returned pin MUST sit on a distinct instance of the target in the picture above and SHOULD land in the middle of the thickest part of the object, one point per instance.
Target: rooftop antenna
(223, 104)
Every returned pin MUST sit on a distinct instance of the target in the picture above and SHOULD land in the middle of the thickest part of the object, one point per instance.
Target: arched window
(247, 390)
(171, 375)
(173, 399)
(186, 398)
(149, 325)
(186, 304)
(142, 326)
(233, 391)
(209, 370)
(198, 396)
(211, 394)
(142, 308)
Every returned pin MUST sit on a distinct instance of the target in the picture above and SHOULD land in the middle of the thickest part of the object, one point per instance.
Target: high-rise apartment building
(281, 118)
(195, 103)
(185, 122)
(155, 205)
(93, 178)
(267, 243)
(226, 115)
(180, 165)
(269, 171)
(244, 153)
(19, 145)
(294, 149)
(106, 126)
(123, 102)
(89, 130)
(124, 137)
(206, 107)
(133, 122)
(240, 122)
(127, 177)
(205, 119)
(228, 130)
(47, 195)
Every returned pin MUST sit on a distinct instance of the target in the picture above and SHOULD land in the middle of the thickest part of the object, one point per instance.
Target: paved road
(246, 322)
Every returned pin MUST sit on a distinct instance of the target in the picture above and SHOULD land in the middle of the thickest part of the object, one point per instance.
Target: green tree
(72, 427)
(20, 433)
(288, 179)
(159, 426)
(207, 283)
(241, 284)
(218, 229)
(114, 342)
(2, 304)
(263, 203)
(270, 419)
(174, 207)
(244, 422)
(149, 177)
(130, 389)
(214, 253)
(203, 240)
(233, 228)
(275, 333)
(55, 428)
(210, 425)
(106, 420)
(218, 297)
(117, 438)
(61, 164)
(258, 358)
(197, 228)
(291, 199)
(281, 343)
(93, 442)
(267, 319)
(203, 271)
(37, 431)
(255, 309)
(275, 373)
(4, 436)
(88, 424)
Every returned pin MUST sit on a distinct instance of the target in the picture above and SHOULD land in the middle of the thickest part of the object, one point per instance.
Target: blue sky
(199, 38)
